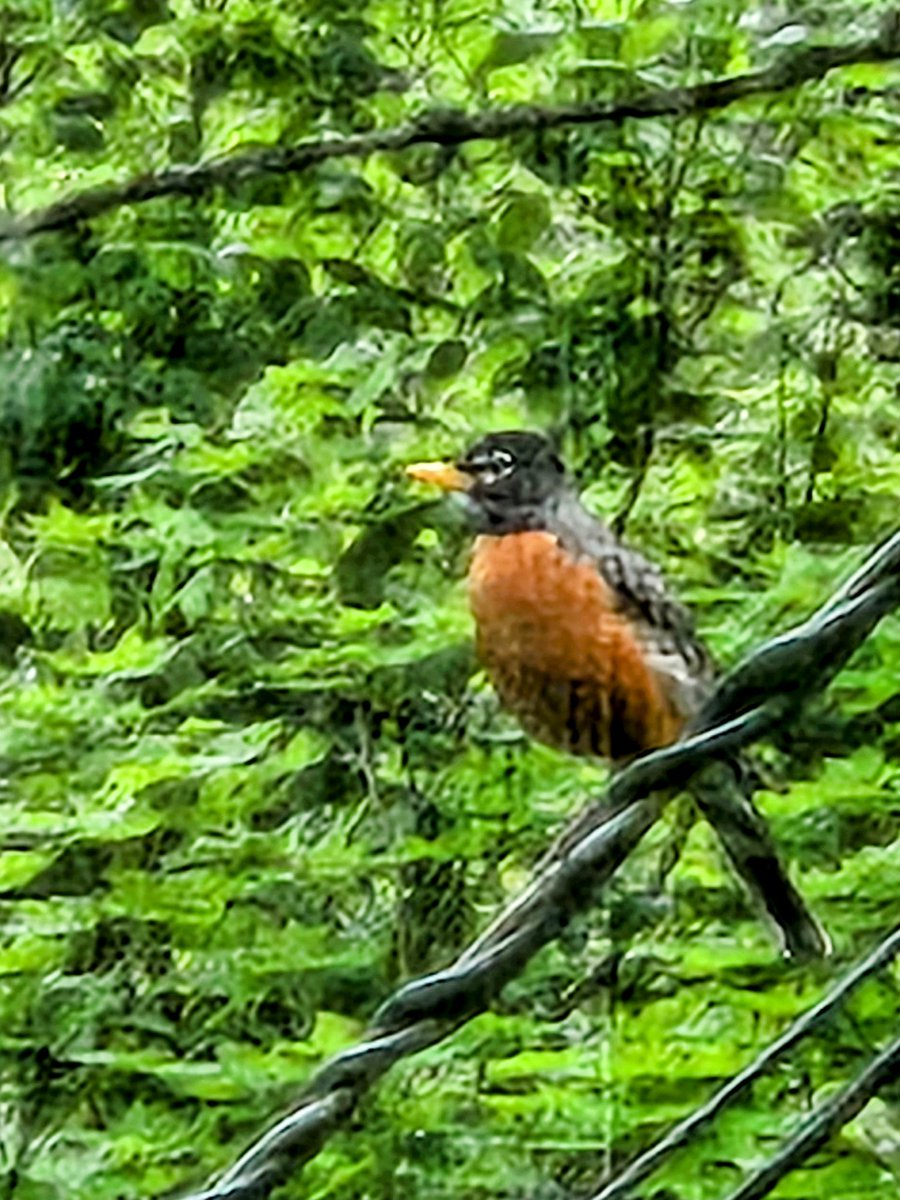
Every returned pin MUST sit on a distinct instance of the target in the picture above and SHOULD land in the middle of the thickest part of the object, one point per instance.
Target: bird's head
(508, 481)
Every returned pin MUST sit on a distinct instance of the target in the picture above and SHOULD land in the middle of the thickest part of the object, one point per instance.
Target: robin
(585, 644)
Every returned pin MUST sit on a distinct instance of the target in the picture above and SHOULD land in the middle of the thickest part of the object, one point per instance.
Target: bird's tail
(724, 795)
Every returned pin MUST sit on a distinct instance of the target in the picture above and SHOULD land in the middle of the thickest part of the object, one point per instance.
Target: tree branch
(426, 1010)
(451, 127)
(679, 1135)
(823, 1123)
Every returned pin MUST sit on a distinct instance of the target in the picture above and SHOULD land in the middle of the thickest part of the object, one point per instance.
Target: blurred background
(251, 778)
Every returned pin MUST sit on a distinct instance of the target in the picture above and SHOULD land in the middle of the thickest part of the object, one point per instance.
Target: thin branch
(882, 564)
(451, 127)
(652, 1159)
(426, 1010)
(823, 1123)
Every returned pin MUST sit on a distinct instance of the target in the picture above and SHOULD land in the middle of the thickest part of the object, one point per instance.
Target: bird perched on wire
(587, 647)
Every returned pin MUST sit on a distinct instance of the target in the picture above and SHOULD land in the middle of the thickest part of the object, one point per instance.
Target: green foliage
(250, 778)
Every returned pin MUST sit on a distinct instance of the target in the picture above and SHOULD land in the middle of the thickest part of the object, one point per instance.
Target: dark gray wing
(678, 657)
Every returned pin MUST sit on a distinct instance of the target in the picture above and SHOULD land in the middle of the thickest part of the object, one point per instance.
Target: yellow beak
(441, 474)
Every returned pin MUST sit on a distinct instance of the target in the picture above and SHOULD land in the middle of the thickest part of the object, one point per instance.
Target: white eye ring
(503, 461)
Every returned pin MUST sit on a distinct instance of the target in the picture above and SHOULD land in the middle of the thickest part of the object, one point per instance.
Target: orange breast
(561, 655)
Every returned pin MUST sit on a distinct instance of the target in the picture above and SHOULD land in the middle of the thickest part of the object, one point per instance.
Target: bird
(587, 646)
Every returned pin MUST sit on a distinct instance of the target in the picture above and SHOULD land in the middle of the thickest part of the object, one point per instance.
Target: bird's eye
(502, 461)
(490, 465)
